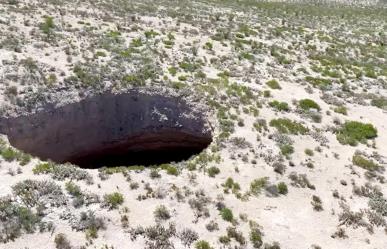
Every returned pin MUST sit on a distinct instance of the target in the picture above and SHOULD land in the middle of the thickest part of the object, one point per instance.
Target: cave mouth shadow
(98, 159)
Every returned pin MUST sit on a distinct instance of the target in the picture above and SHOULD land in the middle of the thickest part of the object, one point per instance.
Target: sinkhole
(110, 129)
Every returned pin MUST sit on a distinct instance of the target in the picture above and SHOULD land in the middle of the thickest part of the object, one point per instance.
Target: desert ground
(280, 105)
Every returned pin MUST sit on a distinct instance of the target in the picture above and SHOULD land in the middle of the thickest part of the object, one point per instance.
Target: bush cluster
(288, 126)
(353, 132)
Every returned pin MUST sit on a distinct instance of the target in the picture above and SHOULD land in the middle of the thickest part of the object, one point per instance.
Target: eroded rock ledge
(132, 127)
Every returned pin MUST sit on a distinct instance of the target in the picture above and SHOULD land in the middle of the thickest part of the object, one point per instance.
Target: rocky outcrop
(112, 129)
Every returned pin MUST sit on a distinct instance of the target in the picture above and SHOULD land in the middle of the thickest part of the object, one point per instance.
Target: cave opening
(99, 159)
(131, 128)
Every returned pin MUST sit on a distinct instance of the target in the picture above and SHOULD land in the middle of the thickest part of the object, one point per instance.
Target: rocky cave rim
(113, 129)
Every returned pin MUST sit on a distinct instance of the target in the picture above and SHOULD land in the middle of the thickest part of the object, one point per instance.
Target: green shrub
(309, 152)
(370, 73)
(273, 84)
(24, 159)
(154, 174)
(341, 110)
(286, 149)
(113, 200)
(73, 189)
(34, 193)
(91, 233)
(379, 204)
(15, 219)
(257, 185)
(202, 244)
(170, 169)
(47, 25)
(224, 240)
(182, 78)
(280, 106)
(288, 126)
(172, 70)
(364, 163)
(61, 242)
(212, 171)
(230, 184)
(237, 235)
(100, 54)
(282, 188)
(316, 203)
(266, 94)
(43, 168)
(162, 213)
(380, 102)
(353, 132)
(227, 214)
(318, 82)
(9, 154)
(307, 104)
(256, 237)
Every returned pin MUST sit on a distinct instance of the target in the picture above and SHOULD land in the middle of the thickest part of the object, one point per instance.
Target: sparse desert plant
(134, 185)
(280, 106)
(63, 171)
(362, 162)
(90, 224)
(170, 169)
(113, 200)
(309, 152)
(275, 245)
(380, 102)
(232, 232)
(340, 233)
(154, 173)
(224, 240)
(162, 213)
(317, 203)
(288, 126)
(258, 185)
(300, 180)
(227, 214)
(199, 206)
(15, 219)
(286, 149)
(202, 244)
(273, 84)
(256, 237)
(75, 191)
(188, 236)
(48, 25)
(379, 204)
(308, 104)
(124, 221)
(282, 188)
(43, 168)
(212, 226)
(9, 154)
(36, 193)
(213, 171)
(341, 110)
(61, 241)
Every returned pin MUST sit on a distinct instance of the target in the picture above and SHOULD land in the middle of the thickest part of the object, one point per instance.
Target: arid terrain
(205, 124)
